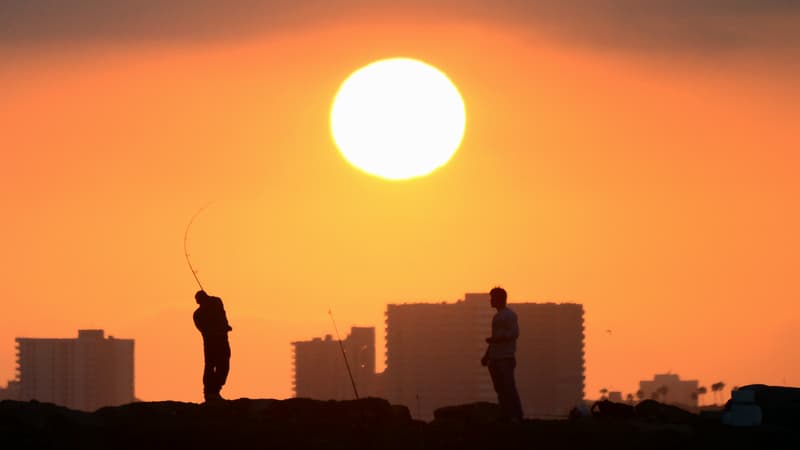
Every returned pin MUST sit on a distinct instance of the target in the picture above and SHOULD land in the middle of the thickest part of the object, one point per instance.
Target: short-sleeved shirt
(504, 325)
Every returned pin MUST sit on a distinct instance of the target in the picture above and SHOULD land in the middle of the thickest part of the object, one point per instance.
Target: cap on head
(200, 296)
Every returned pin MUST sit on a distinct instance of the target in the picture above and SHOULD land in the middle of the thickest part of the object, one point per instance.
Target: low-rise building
(320, 371)
(669, 388)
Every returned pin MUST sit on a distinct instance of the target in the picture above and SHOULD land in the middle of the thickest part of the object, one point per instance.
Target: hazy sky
(637, 157)
(688, 25)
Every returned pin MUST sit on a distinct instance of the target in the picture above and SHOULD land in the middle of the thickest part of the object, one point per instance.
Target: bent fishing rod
(344, 355)
(186, 247)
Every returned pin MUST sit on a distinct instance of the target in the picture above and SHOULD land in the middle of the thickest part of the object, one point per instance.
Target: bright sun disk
(398, 118)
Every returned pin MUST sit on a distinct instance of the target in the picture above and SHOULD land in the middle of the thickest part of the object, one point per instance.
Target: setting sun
(398, 118)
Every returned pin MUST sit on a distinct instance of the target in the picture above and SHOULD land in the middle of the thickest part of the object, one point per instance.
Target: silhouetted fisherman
(212, 322)
(500, 355)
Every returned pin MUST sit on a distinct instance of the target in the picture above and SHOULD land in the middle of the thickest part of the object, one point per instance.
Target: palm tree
(717, 387)
(662, 391)
(640, 394)
(629, 397)
(603, 393)
(702, 390)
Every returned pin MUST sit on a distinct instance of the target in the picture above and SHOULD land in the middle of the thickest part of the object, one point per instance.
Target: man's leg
(498, 375)
(223, 366)
(499, 368)
(495, 374)
(512, 405)
(209, 377)
(220, 353)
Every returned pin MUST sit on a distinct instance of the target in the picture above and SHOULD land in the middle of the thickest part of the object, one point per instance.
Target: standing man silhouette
(500, 355)
(212, 322)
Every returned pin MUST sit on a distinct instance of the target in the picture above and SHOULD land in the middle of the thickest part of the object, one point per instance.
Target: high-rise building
(669, 388)
(84, 373)
(433, 353)
(11, 391)
(320, 371)
(550, 359)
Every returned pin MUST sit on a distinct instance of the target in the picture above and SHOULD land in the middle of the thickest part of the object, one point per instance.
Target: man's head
(498, 297)
(200, 296)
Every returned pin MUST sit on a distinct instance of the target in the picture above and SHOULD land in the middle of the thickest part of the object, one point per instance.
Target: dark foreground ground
(363, 424)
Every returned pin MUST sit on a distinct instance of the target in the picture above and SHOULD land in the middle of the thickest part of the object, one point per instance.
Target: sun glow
(398, 118)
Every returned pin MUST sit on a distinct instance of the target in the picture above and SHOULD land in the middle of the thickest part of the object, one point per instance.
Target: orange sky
(657, 190)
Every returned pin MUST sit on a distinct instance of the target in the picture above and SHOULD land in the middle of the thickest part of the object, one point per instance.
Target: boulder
(653, 410)
(780, 405)
(606, 409)
(479, 413)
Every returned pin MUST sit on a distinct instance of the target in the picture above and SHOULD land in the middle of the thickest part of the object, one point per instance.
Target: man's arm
(223, 314)
(201, 321)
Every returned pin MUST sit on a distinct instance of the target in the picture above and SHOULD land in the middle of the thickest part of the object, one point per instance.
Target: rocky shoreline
(360, 424)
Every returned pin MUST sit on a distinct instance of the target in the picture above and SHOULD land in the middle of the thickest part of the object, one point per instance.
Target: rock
(368, 424)
(779, 405)
(653, 410)
(606, 409)
(479, 413)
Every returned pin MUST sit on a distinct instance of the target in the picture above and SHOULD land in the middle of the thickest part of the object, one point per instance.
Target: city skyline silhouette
(422, 357)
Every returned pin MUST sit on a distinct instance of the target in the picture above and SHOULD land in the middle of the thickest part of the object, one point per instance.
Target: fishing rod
(186, 247)
(344, 355)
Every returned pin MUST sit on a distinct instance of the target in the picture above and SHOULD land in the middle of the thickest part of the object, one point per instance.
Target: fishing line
(186, 246)
(344, 355)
